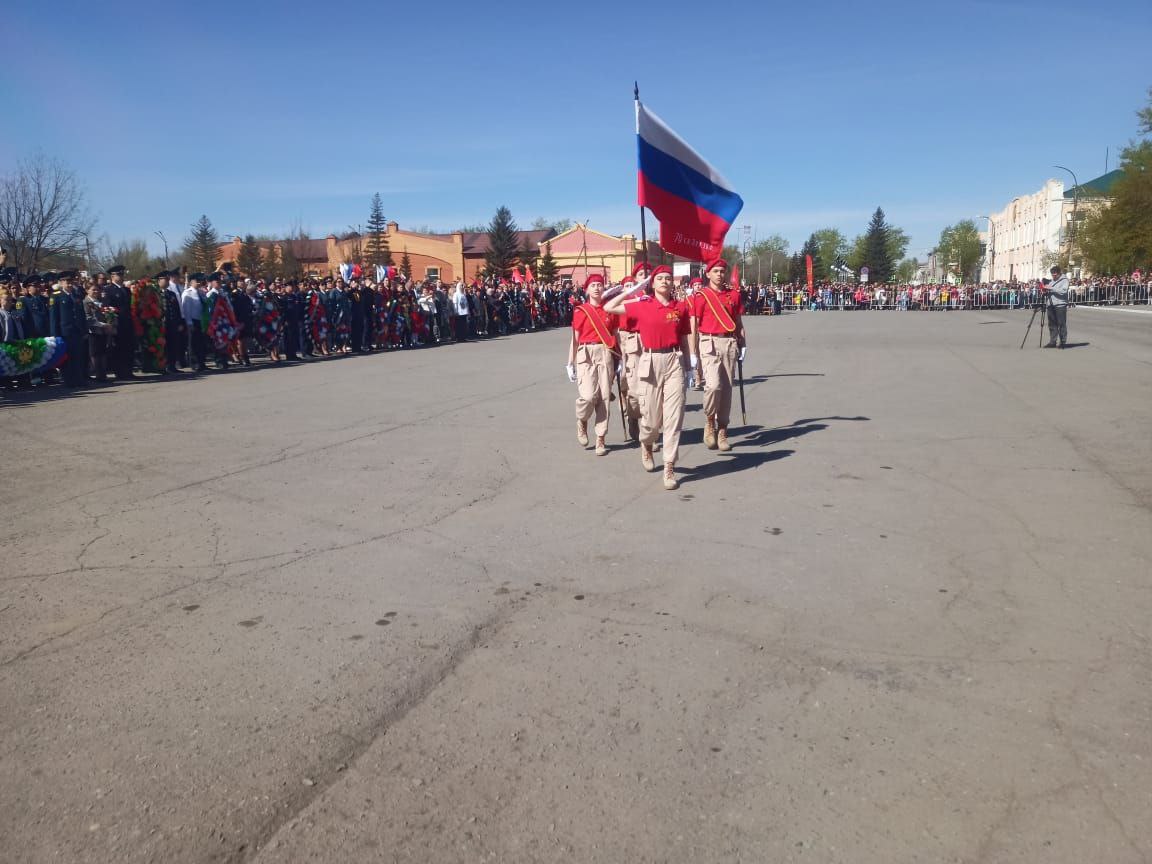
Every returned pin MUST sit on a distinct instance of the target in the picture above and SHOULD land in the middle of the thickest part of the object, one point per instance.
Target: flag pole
(643, 225)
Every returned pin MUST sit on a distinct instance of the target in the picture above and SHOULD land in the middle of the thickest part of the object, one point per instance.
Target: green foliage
(376, 251)
(960, 250)
(134, 255)
(290, 267)
(202, 246)
(1117, 240)
(877, 255)
(546, 271)
(406, 265)
(811, 247)
(1144, 117)
(766, 257)
(503, 244)
(796, 268)
(906, 270)
(270, 262)
(250, 262)
(831, 244)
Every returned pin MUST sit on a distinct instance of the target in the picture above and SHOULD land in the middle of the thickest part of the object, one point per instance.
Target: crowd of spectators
(825, 296)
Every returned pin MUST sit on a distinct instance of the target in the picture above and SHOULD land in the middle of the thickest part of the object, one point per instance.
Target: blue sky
(266, 116)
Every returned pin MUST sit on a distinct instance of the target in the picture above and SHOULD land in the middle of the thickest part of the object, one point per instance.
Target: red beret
(627, 280)
(641, 265)
(696, 280)
(595, 277)
(716, 262)
(663, 268)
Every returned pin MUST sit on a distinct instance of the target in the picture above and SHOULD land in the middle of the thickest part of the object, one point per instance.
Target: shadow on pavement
(756, 379)
(730, 463)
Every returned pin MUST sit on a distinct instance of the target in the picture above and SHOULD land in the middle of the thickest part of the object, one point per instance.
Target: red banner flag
(528, 273)
(808, 266)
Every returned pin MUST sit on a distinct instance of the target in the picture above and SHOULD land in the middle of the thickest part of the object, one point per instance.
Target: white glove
(571, 370)
(694, 361)
(743, 353)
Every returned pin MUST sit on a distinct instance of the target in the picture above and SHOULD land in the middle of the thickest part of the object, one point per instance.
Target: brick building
(581, 251)
(433, 256)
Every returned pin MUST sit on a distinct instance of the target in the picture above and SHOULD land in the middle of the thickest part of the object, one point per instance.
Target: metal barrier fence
(832, 299)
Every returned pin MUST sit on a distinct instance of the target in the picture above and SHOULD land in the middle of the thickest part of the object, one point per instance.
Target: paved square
(383, 608)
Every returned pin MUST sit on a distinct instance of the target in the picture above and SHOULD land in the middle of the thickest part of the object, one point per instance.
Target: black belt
(660, 350)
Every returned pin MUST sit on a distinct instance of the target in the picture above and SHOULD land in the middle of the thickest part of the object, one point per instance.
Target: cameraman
(1056, 293)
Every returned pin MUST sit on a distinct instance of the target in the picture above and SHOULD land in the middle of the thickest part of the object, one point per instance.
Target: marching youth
(592, 361)
(663, 325)
(718, 342)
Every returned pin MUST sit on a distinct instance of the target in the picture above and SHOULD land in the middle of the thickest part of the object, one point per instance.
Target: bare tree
(43, 212)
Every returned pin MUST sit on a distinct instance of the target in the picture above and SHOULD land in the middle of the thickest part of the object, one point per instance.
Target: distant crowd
(769, 299)
(78, 329)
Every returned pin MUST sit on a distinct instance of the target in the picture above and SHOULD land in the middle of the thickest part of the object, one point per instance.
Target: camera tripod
(1041, 303)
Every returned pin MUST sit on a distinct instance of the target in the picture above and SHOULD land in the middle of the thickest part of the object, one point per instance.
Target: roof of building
(476, 242)
(307, 249)
(1101, 187)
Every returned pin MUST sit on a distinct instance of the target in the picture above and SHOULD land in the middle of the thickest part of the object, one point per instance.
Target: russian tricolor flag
(693, 202)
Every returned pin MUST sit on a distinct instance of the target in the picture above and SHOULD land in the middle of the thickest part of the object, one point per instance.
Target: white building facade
(1024, 239)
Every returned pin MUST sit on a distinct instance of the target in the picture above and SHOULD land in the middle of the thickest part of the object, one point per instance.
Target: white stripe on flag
(656, 132)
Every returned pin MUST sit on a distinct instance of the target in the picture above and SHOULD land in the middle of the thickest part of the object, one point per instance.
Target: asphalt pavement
(384, 608)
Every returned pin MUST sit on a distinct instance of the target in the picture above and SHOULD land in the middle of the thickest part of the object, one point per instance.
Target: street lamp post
(1075, 207)
(744, 251)
(163, 240)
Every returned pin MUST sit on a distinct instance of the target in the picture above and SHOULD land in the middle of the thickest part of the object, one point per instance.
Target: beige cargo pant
(661, 377)
(630, 386)
(595, 366)
(718, 364)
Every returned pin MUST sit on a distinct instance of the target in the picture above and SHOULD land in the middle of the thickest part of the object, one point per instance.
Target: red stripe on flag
(685, 229)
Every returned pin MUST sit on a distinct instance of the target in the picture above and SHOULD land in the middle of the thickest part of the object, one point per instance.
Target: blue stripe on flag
(676, 178)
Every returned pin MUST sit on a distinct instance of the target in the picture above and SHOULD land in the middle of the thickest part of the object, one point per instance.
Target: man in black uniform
(292, 311)
(68, 321)
(119, 297)
(175, 330)
(244, 309)
(35, 309)
(368, 317)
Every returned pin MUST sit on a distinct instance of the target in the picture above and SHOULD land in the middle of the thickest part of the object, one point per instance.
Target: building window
(431, 272)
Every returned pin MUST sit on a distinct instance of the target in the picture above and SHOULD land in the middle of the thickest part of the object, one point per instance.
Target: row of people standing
(176, 320)
(652, 343)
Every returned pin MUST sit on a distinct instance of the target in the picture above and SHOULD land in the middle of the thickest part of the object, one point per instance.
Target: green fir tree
(547, 269)
(202, 246)
(503, 244)
(877, 249)
(376, 251)
(249, 261)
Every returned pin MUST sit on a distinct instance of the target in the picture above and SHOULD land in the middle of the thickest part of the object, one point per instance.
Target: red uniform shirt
(729, 301)
(659, 326)
(585, 332)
